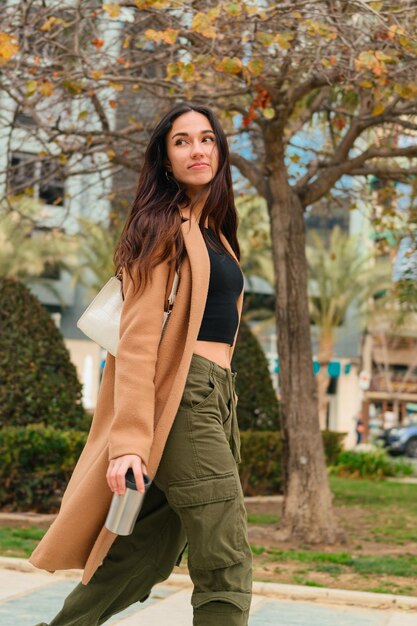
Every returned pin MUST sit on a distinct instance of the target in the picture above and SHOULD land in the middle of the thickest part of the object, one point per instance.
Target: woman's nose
(196, 149)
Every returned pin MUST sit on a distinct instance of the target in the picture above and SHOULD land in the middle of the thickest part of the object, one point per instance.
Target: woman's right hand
(117, 469)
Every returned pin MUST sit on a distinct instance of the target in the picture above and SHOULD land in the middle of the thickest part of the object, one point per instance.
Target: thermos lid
(130, 480)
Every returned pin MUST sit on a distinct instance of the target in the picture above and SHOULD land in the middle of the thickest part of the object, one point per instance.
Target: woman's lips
(198, 166)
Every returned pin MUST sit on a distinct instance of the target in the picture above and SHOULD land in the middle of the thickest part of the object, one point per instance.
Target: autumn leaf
(203, 25)
(378, 109)
(294, 158)
(50, 23)
(112, 10)
(8, 47)
(82, 115)
(268, 113)
(98, 43)
(113, 104)
(233, 8)
(97, 74)
(173, 69)
(255, 66)
(46, 89)
(284, 40)
(188, 72)
(170, 35)
(265, 39)
(31, 87)
(111, 154)
(116, 86)
(407, 92)
(230, 65)
(73, 87)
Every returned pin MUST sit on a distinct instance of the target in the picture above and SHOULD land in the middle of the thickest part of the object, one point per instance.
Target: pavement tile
(295, 613)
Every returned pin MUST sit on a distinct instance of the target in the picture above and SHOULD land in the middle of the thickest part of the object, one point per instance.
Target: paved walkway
(27, 598)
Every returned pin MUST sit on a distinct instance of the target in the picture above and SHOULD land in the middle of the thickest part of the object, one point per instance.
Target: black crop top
(220, 317)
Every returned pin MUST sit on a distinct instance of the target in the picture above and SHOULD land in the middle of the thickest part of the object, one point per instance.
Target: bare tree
(322, 92)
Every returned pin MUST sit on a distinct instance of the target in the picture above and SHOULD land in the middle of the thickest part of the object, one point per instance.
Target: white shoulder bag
(101, 319)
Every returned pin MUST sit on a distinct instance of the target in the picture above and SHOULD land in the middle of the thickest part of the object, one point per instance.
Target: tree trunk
(307, 511)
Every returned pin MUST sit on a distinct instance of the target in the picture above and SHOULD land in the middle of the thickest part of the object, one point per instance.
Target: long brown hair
(154, 221)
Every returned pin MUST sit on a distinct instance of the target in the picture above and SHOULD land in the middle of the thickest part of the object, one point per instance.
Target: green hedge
(260, 469)
(37, 461)
(38, 382)
(373, 464)
(36, 464)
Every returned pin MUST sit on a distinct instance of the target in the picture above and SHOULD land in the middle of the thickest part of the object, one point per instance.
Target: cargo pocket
(210, 512)
(199, 392)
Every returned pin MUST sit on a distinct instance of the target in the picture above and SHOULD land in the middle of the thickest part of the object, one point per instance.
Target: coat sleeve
(142, 317)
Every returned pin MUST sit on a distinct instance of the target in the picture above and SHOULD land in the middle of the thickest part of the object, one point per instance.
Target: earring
(167, 176)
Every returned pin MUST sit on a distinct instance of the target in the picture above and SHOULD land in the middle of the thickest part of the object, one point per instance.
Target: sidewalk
(28, 596)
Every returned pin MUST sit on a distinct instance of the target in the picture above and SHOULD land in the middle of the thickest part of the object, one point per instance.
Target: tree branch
(249, 170)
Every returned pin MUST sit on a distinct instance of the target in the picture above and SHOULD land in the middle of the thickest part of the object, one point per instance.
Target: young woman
(167, 407)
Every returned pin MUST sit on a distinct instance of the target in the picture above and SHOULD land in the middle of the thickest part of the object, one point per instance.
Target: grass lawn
(379, 555)
(380, 552)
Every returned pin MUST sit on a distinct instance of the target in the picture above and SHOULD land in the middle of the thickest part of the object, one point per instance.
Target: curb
(270, 590)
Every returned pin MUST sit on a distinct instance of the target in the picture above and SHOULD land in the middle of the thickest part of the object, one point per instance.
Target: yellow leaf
(284, 40)
(97, 74)
(366, 84)
(295, 158)
(214, 13)
(111, 154)
(268, 113)
(50, 23)
(378, 109)
(31, 87)
(188, 72)
(8, 47)
(169, 36)
(376, 6)
(112, 10)
(255, 66)
(63, 159)
(233, 8)
(202, 24)
(46, 89)
(230, 65)
(265, 39)
(173, 69)
(82, 115)
(116, 86)
(73, 87)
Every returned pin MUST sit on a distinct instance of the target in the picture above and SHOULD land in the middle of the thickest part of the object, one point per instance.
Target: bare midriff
(214, 351)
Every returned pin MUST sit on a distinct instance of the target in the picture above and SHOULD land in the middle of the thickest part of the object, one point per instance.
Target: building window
(42, 179)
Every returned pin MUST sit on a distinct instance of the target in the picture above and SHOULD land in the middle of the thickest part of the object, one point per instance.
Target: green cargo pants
(196, 498)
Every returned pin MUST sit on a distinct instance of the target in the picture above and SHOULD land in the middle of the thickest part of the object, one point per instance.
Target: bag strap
(174, 288)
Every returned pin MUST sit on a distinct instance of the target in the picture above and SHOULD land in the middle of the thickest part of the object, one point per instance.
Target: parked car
(400, 440)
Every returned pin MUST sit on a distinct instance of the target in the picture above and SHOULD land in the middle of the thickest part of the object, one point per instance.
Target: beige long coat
(138, 399)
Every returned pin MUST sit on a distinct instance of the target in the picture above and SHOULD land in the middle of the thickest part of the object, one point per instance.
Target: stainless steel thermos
(124, 510)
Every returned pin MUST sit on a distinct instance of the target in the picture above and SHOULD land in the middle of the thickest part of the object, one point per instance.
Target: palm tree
(25, 249)
(340, 275)
(96, 243)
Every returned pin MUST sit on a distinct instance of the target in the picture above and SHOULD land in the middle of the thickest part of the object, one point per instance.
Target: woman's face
(193, 157)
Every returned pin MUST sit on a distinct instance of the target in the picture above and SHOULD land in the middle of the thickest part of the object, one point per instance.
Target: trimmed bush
(36, 464)
(374, 464)
(258, 407)
(38, 382)
(333, 445)
(260, 470)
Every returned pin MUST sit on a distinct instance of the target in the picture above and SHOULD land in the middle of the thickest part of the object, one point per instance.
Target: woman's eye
(179, 142)
(209, 138)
